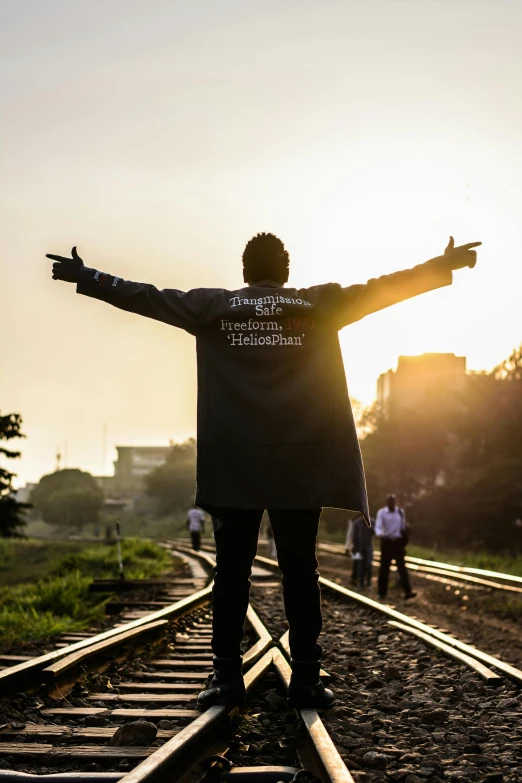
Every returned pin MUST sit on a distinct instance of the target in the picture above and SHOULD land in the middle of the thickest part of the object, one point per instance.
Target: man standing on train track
(392, 530)
(275, 428)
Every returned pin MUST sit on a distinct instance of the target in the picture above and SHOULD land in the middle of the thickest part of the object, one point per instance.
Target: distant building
(416, 377)
(130, 469)
(106, 484)
(134, 463)
(24, 493)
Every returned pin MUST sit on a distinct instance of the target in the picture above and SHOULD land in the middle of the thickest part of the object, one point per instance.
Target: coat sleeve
(357, 301)
(177, 308)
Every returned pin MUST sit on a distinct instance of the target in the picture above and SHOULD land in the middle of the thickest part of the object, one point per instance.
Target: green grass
(60, 601)
(141, 559)
(27, 561)
(505, 608)
(172, 526)
(492, 562)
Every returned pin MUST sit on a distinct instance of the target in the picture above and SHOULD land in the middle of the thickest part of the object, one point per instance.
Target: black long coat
(275, 425)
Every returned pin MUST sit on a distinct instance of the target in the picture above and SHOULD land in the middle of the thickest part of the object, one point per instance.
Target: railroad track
(141, 596)
(404, 685)
(448, 574)
(121, 705)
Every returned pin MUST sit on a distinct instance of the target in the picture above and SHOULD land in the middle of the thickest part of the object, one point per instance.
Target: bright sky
(159, 136)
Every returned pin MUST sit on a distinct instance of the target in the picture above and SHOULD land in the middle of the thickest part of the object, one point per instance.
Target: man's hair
(265, 258)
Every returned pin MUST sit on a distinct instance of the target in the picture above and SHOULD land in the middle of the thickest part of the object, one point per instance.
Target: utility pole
(58, 459)
(104, 449)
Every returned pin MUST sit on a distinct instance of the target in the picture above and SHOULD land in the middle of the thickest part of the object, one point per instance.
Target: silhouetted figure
(196, 526)
(390, 527)
(349, 550)
(275, 428)
(363, 551)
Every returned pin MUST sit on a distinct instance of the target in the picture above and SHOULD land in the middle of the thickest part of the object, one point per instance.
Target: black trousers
(364, 566)
(196, 540)
(295, 532)
(393, 549)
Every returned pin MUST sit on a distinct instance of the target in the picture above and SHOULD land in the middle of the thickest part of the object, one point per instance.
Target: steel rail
(468, 650)
(51, 673)
(486, 674)
(463, 573)
(327, 756)
(203, 729)
(510, 671)
(467, 569)
(467, 578)
(265, 640)
(27, 672)
(284, 644)
(189, 739)
(13, 776)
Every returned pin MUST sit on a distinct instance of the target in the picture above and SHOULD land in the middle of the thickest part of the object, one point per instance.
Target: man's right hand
(67, 269)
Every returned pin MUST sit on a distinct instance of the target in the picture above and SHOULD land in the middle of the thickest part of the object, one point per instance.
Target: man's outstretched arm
(171, 306)
(358, 301)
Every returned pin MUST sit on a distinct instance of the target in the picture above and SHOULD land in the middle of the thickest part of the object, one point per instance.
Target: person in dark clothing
(196, 526)
(349, 550)
(391, 528)
(363, 549)
(275, 426)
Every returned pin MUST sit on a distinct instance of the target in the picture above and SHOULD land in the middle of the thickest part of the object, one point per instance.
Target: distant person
(196, 526)
(363, 551)
(348, 542)
(348, 550)
(275, 427)
(391, 528)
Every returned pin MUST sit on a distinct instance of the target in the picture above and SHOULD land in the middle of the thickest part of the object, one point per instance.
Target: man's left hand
(461, 256)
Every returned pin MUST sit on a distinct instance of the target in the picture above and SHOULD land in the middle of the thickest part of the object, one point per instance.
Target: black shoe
(226, 687)
(306, 689)
(409, 595)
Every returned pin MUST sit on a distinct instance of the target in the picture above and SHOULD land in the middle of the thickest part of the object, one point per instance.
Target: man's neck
(266, 284)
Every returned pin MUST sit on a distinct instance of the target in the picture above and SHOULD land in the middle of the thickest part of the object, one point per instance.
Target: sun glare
(383, 219)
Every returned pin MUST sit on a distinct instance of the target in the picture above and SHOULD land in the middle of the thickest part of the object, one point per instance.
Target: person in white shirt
(390, 527)
(195, 525)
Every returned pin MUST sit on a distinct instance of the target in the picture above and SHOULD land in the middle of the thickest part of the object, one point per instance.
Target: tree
(511, 368)
(407, 451)
(68, 498)
(173, 484)
(11, 511)
(68, 508)
(455, 461)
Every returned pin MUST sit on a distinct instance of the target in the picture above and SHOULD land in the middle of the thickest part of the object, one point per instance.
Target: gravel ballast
(405, 712)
